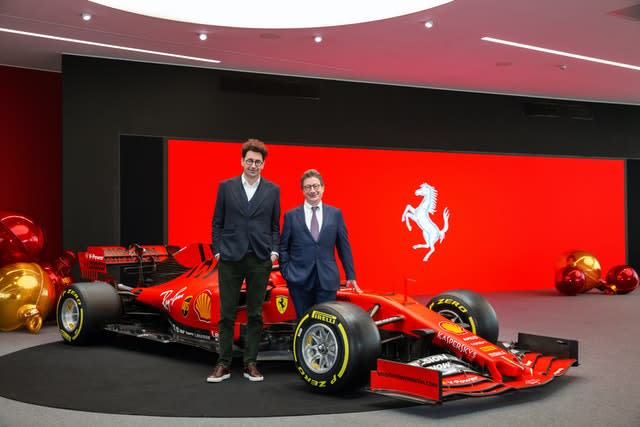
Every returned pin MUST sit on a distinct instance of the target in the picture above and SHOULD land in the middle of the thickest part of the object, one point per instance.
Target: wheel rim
(69, 315)
(455, 318)
(319, 348)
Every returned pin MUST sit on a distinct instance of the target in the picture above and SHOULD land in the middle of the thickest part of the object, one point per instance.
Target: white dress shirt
(250, 189)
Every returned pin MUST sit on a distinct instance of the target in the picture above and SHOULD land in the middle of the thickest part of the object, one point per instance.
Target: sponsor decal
(497, 353)
(185, 306)
(201, 335)
(433, 359)
(452, 327)
(168, 299)
(310, 380)
(282, 302)
(467, 352)
(94, 257)
(468, 379)
(532, 381)
(452, 303)
(202, 307)
(324, 317)
(442, 367)
(488, 348)
(407, 378)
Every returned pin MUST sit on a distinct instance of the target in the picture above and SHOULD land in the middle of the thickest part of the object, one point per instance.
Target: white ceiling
(399, 51)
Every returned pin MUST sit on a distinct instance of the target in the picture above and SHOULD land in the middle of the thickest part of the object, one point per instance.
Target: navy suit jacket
(239, 224)
(299, 253)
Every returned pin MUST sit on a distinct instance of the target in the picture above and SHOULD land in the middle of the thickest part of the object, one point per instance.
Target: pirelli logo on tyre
(324, 317)
(450, 302)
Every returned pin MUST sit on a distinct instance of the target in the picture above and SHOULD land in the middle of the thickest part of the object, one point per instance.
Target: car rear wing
(95, 260)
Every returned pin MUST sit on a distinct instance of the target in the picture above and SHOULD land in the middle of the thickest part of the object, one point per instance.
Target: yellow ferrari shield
(282, 302)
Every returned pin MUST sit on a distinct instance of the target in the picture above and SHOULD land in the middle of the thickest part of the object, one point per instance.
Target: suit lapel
(258, 196)
(239, 194)
(301, 221)
(326, 220)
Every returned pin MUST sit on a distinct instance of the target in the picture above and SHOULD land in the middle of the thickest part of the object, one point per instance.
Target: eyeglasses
(311, 187)
(251, 162)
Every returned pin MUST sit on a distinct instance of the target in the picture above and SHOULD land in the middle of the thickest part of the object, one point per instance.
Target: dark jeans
(231, 274)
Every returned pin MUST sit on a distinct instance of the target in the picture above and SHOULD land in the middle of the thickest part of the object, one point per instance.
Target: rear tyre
(335, 346)
(469, 310)
(84, 308)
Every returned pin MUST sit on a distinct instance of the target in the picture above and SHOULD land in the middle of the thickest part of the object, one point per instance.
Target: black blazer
(239, 225)
(300, 254)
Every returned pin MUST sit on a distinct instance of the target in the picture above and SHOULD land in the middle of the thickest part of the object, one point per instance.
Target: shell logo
(203, 307)
(452, 327)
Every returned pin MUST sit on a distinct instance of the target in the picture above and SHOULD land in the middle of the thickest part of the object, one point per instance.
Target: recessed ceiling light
(86, 16)
(110, 46)
(429, 23)
(562, 53)
(202, 36)
(273, 14)
(317, 39)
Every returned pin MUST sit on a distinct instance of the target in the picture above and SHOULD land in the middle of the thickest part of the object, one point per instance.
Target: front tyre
(469, 310)
(335, 346)
(84, 308)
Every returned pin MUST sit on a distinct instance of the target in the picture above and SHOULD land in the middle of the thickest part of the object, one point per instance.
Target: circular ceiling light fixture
(202, 36)
(429, 24)
(86, 16)
(317, 39)
(275, 14)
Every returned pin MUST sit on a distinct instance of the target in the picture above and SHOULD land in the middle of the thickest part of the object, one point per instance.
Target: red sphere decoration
(589, 265)
(21, 238)
(622, 279)
(59, 272)
(570, 280)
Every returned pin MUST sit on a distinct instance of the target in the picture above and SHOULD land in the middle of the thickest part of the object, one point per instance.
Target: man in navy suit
(246, 232)
(310, 234)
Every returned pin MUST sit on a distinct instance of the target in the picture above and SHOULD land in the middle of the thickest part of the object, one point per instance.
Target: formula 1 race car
(448, 348)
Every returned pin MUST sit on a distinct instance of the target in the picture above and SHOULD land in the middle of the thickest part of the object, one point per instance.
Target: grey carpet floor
(602, 391)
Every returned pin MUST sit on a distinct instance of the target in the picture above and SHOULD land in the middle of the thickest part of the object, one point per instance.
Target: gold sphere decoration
(26, 296)
(589, 265)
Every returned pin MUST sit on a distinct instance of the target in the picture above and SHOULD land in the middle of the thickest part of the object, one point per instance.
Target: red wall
(31, 149)
(511, 217)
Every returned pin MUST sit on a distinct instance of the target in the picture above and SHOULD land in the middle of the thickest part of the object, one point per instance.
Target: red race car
(448, 348)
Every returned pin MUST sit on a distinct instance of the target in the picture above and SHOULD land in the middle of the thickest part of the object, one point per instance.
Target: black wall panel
(633, 213)
(104, 99)
(142, 195)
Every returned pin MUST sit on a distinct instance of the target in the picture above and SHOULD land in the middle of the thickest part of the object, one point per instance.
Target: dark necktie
(315, 227)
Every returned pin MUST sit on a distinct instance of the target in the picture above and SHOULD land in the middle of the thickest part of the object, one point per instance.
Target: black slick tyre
(335, 346)
(468, 309)
(84, 308)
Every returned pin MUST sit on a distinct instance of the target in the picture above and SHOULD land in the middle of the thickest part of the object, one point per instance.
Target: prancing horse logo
(420, 216)
(282, 302)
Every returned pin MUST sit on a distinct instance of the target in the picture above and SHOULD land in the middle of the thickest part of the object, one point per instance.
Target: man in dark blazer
(310, 234)
(246, 232)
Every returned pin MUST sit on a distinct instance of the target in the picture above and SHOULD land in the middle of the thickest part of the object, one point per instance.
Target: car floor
(602, 391)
